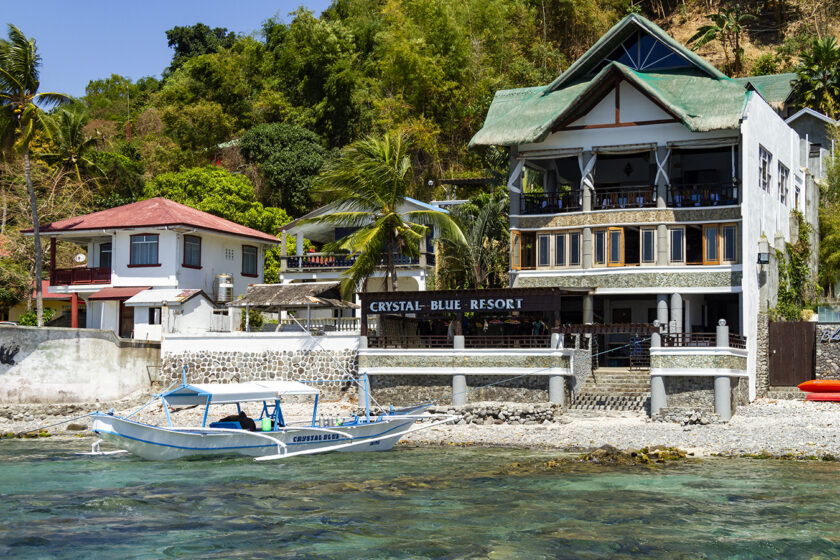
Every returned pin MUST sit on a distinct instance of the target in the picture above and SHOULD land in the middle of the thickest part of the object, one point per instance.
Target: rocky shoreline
(765, 428)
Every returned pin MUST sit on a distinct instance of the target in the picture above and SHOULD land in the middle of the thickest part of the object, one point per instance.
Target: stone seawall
(828, 352)
(403, 390)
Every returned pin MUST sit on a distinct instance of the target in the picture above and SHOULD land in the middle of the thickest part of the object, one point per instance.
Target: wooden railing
(81, 275)
(608, 198)
(703, 194)
(551, 203)
(737, 341)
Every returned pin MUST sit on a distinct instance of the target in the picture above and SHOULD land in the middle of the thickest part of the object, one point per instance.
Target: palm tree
(817, 82)
(70, 143)
(21, 119)
(726, 27)
(484, 223)
(369, 182)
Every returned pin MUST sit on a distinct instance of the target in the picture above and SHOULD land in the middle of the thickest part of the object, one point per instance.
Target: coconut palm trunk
(36, 236)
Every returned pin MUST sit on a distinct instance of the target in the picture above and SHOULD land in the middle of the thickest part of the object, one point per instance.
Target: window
(648, 245)
(677, 245)
(600, 247)
(543, 252)
(711, 252)
(615, 237)
(154, 315)
(105, 255)
(249, 260)
(192, 251)
(516, 250)
(560, 250)
(729, 240)
(574, 249)
(144, 250)
(814, 150)
(764, 161)
(784, 183)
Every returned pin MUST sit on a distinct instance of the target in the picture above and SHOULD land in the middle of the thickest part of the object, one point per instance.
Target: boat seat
(227, 425)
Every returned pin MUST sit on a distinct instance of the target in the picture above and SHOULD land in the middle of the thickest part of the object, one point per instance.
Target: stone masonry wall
(693, 279)
(762, 355)
(403, 390)
(690, 392)
(235, 367)
(828, 352)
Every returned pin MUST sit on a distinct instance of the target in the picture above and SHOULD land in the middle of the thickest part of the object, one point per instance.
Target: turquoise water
(409, 503)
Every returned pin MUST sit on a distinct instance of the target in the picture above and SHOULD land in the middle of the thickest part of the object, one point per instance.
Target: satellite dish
(80, 258)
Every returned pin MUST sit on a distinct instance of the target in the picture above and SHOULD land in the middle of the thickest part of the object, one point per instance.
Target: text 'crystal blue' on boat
(266, 438)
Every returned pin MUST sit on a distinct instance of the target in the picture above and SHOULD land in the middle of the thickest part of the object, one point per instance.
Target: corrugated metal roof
(170, 296)
(153, 212)
(117, 293)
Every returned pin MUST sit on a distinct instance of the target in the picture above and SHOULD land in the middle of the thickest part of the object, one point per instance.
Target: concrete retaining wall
(59, 365)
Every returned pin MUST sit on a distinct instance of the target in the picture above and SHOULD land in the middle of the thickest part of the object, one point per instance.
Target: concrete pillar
(458, 342)
(677, 312)
(74, 310)
(723, 397)
(587, 198)
(661, 184)
(662, 245)
(662, 310)
(459, 390)
(284, 250)
(557, 390)
(687, 315)
(587, 249)
(299, 244)
(722, 334)
(556, 340)
(363, 343)
(588, 309)
(658, 401)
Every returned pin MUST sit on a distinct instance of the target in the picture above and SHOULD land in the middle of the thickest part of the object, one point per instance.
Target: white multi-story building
(154, 262)
(647, 176)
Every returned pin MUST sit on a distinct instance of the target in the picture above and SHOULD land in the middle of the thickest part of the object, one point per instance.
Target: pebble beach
(776, 428)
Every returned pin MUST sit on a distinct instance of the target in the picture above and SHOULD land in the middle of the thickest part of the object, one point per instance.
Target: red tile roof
(117, 293)
(152, 213)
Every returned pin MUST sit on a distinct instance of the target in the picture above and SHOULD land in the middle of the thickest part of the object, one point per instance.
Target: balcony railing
(82, 275)
(608, 198)
(507, 341)
(551, 203)
(703, 194)
(676, 340)
(333, 261)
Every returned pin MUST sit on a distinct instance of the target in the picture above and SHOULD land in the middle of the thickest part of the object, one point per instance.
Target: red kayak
(821, 386)
(823, 397)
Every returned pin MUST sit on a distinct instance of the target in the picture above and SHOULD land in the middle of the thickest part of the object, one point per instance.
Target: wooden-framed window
(144, 250)
(249, 260)
(729, 240)
(784, 183)
(677, 245)
(574, 248)
(600, 256)
(560, 249)
(648, 248)
(765, 158)
(192, 251)
(711, 245)
(543, 250)
(105, 252)
(515, 250)
(615, 245)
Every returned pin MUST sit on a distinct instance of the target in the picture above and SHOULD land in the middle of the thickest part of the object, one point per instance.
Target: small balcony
(332, 261)
(611, 198)
(690, 195)
(80, 275)
(551, 203)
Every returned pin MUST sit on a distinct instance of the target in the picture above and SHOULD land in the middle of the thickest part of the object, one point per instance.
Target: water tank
(223, 288)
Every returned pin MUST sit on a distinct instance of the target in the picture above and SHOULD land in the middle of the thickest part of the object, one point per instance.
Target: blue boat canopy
(229, 393)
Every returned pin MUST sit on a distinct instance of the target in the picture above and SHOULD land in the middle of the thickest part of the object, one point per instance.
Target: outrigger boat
(272, 437)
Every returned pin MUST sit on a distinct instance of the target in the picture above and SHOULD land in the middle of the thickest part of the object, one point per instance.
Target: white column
(687, 314)
(677, 312)
(299, 244)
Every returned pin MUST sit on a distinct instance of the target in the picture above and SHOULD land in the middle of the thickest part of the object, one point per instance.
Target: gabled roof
(120, 293)
(807, 111)
(289, 296)
(159, 296)
(528, 115)
(774, 88)
(618, 34)
(154, 212)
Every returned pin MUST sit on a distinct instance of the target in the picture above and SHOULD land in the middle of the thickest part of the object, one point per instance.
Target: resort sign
(455, 304)
(464, 301)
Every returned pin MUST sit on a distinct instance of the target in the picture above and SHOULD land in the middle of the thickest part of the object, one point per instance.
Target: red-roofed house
(153, 244)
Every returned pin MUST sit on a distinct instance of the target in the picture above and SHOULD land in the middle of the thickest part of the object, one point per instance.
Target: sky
(84, 40)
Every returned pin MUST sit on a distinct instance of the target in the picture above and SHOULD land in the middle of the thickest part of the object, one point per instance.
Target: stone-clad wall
(762, 358)
(640, 216)
(828, 353)
(703, 361)
(699, 392)
(452, 359)
(402, 390)
(206, 366)
(693, 279)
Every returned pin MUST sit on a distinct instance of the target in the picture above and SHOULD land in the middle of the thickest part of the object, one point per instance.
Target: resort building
(316, 265)
(645, 176)
(154, 266)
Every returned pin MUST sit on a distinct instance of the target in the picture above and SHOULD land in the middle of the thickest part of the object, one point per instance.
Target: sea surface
(410, 503)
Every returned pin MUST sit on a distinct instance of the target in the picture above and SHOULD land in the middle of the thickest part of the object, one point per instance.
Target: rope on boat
(49, 426)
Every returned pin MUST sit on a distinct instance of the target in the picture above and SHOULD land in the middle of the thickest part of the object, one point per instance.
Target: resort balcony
(80, 275)
(551, 203)
(332, 261)
(610, 198)
(703, 194)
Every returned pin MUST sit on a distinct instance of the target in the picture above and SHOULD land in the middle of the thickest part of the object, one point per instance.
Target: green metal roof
(699, 96)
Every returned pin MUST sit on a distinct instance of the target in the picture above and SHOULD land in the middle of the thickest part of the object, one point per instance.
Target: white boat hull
(164, 443)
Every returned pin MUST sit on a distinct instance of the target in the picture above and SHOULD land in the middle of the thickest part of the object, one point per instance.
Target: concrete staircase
(615, 389)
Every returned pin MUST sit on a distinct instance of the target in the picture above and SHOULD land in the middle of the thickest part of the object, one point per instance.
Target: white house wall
(634, 107)
(214, 261)
(762, 211)
(162, 276)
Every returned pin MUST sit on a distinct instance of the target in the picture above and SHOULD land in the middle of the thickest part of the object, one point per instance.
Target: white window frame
(784, 183)
(765, 173)
(642, 233)
(603, 255)
(671, 232)
(723, 244)
(543, 254)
